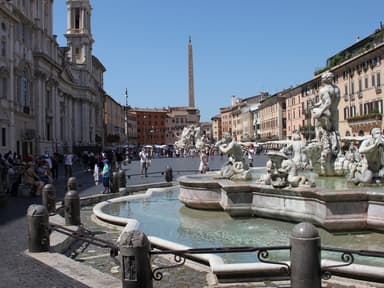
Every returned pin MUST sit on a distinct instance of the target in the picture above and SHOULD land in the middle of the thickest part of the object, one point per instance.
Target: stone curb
(60, 243)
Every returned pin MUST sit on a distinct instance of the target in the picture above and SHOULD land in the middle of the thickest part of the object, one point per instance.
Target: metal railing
(305, 268)
(180, 256)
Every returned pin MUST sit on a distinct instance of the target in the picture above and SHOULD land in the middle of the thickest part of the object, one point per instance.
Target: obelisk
(190, 75)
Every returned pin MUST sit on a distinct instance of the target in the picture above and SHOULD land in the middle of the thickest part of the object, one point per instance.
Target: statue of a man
(236, 163)
(373, 150)
(325, 111)
(297, 147)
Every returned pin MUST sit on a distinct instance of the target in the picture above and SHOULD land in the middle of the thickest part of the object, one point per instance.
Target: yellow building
(272, 113)
(216, 128)
(357, 72)
(359, 80)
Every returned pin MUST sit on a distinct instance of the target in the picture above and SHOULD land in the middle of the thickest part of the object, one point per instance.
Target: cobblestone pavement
(191, 275)
(18, 270)
(99, 258)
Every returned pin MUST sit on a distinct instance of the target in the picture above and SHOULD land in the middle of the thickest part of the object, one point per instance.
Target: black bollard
(305, 256)
(71, 183)
(123, 179)
(38, 230)
(115, 182)
(135, 260)
(72, 208)
(49, 198)
(168, 174)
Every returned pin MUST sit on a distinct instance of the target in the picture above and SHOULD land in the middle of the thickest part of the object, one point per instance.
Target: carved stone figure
(191, 138)
(296, 147)
(372, 165)
(236, 167)
(360, 173)
(326, 124)
(294, 179)
(275, 176)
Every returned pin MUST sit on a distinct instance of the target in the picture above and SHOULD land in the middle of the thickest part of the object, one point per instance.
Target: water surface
(164, 216)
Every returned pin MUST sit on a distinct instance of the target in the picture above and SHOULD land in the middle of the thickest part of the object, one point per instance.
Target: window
(24, 89)
(48, 99)
(352, 87)
(3, 87)
(3, 47)
(3, 137)
(360, 85)
(77, 53)
(373, 81)
(366, 82)
(346, 113)
(77, 18)
(378, 80)
(49, 134)
(346, 89)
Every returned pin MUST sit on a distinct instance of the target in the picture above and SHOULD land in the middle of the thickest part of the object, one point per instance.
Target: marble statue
(283, 172)
(296, 147)
(347, 161)
(326, 124)
(191, 138)
(236, 167)
(371, 166)
(276, 176)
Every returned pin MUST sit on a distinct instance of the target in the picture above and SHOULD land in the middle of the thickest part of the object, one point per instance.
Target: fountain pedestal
(341, 210)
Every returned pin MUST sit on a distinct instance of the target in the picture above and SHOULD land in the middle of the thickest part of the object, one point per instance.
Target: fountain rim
(215, 263)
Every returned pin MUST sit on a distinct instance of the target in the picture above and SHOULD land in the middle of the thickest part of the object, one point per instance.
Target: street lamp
(126, 125)
(144, 129)
(126, 117)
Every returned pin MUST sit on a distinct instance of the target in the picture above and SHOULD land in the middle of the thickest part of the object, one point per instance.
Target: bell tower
(79, 36)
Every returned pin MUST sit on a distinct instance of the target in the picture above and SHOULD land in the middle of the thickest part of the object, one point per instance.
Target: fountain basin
(351, 209)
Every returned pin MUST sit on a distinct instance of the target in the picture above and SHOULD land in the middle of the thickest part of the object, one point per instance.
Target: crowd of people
(37, 171)
(33, 171)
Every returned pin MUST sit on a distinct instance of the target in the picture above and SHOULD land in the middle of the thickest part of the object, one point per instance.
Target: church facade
(51, 97)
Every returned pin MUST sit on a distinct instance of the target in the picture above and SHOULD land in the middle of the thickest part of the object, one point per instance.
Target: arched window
(24, 89)
(4, 78)
(347, 133)
(361, 133)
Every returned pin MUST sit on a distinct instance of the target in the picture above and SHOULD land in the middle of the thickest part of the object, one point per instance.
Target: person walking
(68, 161)
(203, 167)
(251, 153)
(96, 173)
(144, 161)
(106, 175)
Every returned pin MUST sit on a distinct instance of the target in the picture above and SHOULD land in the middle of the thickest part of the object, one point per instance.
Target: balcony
(378, 90)
(366, 117)
(366, 122)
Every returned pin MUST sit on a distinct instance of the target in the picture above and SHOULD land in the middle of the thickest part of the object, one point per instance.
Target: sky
(240, 47)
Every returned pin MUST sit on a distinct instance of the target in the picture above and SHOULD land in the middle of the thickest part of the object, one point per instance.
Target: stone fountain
(285, 192)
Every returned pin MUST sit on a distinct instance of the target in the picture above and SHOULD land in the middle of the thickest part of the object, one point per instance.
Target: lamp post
(126, 117)
(144, 129)
(126, 125)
